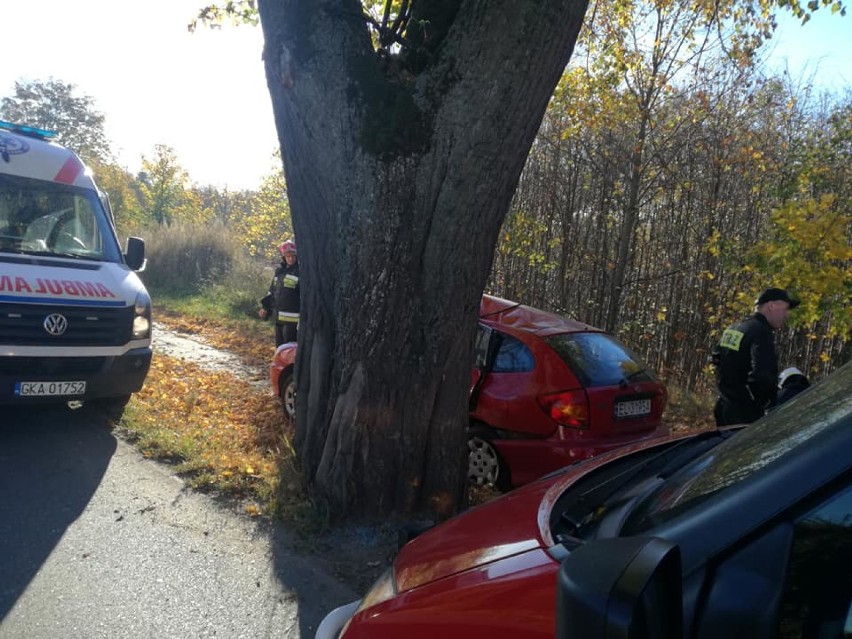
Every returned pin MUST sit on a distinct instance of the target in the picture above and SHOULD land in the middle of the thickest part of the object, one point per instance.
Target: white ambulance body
(75, 320)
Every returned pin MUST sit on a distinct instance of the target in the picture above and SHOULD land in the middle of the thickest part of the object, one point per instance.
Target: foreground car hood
(511, 525)
(496, 530)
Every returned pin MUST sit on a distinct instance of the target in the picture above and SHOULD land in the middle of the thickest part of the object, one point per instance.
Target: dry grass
(186, 257)
(222, 435)
(688, 411)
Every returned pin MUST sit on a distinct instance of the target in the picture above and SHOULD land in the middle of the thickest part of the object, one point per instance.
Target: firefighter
(746, 363)
(282, 301)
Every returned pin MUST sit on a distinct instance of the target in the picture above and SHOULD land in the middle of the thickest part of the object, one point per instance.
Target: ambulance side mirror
(134, 255)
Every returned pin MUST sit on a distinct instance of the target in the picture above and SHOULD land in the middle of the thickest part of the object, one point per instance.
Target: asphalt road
(96, 541)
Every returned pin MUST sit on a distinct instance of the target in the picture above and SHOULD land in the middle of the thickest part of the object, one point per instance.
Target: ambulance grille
(57, 367)
(24, 325)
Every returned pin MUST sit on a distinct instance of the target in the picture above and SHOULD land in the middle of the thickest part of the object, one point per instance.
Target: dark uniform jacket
(284, 297)
(747, 368)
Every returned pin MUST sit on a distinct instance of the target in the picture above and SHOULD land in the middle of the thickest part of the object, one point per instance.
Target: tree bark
(400, 172)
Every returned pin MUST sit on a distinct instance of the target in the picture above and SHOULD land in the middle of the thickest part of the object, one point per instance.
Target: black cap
(776, 295)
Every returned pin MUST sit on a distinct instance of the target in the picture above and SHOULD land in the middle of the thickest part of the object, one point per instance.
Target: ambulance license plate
(49, 389)
(634, 408)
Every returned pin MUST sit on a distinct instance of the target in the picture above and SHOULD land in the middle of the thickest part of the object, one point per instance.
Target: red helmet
(288, 247)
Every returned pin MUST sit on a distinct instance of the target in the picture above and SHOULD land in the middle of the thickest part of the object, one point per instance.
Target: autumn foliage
(222, 433)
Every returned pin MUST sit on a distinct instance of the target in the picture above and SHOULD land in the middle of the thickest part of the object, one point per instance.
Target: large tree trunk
(399, 176)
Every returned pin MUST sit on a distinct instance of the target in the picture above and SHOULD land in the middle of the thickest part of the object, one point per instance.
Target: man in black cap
(745, 360)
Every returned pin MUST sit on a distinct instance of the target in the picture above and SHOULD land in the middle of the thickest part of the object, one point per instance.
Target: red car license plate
(633, 408)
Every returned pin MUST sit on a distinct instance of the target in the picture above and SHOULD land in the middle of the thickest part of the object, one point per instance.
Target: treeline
(661, 196)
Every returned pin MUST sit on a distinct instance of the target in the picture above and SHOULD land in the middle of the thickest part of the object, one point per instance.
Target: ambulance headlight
(142, 316)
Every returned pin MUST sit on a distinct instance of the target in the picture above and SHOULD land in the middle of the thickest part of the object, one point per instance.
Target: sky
(820, 49)
(204, 93)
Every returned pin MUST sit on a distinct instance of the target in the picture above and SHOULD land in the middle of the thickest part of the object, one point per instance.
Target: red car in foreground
(755, 526)
(546, 391)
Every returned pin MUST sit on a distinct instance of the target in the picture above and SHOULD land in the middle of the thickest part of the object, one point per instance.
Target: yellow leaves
(824, 357)
(225, 435)
(714, 243)
(809, 250)
(269, 222)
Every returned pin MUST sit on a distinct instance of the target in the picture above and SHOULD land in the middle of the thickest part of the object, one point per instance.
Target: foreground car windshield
(755, 447)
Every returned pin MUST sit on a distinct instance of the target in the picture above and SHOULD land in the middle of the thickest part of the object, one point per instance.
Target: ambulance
(75, 319)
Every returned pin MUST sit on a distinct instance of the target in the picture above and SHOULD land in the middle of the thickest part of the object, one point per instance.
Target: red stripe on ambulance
(69, 171)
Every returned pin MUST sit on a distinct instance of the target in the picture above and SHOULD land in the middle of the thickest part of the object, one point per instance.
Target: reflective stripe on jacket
(288, 318)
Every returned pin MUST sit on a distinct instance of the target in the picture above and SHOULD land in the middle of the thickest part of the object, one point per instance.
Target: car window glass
(512, 357)
(480, 347)
(750, 450)
(817, 599)
(599, 359)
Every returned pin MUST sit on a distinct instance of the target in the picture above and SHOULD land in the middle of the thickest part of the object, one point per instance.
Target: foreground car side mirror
(134, 255)
(629, 588)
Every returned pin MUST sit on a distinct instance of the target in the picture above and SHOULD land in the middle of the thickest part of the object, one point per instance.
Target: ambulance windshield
(49, 219)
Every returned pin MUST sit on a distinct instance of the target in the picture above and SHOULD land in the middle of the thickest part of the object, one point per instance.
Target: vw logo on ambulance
(55, 324)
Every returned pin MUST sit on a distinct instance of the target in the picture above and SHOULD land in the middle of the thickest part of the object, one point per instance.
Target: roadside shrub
(242, 287)
(203, 270)
(184, 258)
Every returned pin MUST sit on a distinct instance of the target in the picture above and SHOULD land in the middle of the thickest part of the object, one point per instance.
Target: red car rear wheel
(287, 394)
(485, 466)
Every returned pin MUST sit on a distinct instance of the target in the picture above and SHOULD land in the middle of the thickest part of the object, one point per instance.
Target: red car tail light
(568, 408)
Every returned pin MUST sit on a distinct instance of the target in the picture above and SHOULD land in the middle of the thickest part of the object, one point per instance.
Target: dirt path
(194, 348)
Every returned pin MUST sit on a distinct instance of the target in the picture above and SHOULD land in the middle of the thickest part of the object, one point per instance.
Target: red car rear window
(599, 359)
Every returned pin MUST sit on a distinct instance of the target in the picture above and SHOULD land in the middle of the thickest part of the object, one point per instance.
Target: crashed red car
(546, 391)
(281, 372)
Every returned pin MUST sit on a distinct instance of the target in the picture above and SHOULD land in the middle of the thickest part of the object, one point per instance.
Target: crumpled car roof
(526, 318)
